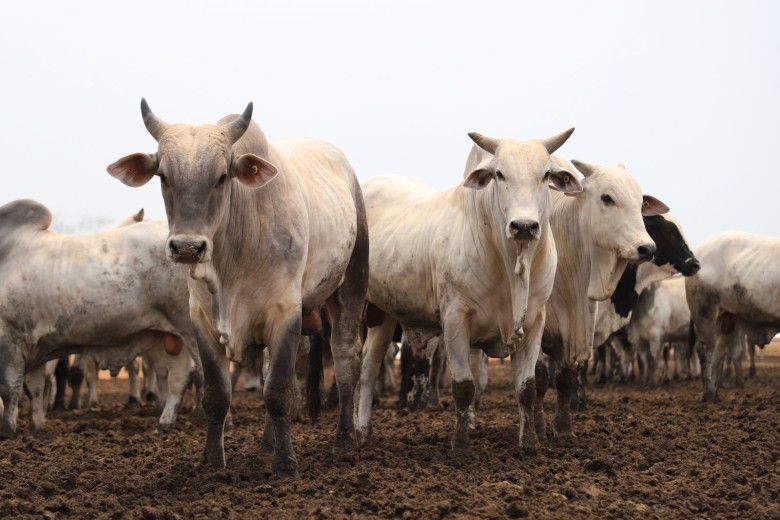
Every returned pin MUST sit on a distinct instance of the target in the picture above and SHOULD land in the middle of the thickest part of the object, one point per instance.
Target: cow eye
(547, 176)
(222, 179)
(499, 175)
(607, 200)
(163, 180)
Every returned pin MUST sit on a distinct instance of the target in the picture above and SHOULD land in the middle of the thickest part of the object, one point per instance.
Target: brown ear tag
(566, 179)
(645, 204)
(256, 170)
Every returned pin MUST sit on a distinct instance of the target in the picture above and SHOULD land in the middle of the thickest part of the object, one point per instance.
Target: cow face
(519, 172)
(614, 208)
(671, 249)
(196, 166)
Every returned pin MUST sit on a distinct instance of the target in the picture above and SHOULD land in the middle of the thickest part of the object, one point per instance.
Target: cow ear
(478, 179)
(253, 171)
(652, 206)
(134, 170)
(564, 181)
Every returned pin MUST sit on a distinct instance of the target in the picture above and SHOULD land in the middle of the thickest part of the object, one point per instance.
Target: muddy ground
(659, 454)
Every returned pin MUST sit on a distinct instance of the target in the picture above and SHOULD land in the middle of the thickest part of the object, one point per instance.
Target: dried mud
(658, 454)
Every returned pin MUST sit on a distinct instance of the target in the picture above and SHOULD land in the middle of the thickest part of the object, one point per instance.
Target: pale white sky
(684, 93)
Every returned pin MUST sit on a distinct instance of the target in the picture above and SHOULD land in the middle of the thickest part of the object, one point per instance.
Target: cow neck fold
(484, 208)
(570, 313)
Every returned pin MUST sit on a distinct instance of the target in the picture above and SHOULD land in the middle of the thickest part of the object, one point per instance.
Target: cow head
(519, 173)
(614, 208)
(671, 249)
(196, 165)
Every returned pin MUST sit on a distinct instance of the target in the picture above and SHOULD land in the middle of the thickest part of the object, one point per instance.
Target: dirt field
(660, 454)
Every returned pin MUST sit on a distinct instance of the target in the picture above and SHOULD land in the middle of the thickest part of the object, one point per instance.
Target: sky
(685, 93)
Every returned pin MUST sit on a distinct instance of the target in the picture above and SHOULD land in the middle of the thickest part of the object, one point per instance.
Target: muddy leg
(752, 355)
(374, 350)
(134, 396)
(34, 383)
(566, 385)
(61, 375)
(216, 400)
(11, 387)
(541, 382)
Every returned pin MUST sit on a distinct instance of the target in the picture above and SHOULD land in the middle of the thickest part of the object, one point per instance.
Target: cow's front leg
(456, 341)
(523, 374)
(278, 390)
(216, 400)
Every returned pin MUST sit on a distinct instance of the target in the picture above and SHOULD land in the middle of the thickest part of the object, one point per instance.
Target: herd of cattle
(271, 252)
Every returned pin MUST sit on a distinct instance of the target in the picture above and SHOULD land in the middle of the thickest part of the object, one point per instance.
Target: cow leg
(278, 391)
(91, 376)
(456, 341)
(438, 362)
(566, 385)
(35, 381)
(216, 399)
(11, 387)
(523, 375)
(75, 379)
(738, 352)
(176, 380)
(161, 371)
(377, 340)
(541, 379)
(149, 389)
(579, 400)
(299, 382)
(134, 395)
(653, 353)
(713, 369)
(751, 348)
(600, 364)
(665, 373)
(475, 362)
(61, 377)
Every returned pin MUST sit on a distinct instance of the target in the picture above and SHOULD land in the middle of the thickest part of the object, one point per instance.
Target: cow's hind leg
(134, 396)
(75, 378)
(541, 381)
(61, 377)
(35, 382)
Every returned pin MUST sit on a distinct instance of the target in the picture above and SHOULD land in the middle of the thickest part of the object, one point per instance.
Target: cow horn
(486, 143)
(586, 169)
(556, 141)
(154, 124)
(236, 128)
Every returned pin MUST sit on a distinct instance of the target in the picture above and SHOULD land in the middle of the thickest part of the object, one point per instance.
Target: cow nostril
(173, 248)
(695, 264)
(201, 249)
(520, 228)
(645, 251)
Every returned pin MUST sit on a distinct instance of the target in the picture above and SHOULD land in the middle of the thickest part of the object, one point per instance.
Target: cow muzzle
(188, 249)
(523, 230)
(692, 267)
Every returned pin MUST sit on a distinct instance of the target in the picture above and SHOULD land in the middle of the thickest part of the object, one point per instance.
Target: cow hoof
(752, 373)
(345, 454)
(150, 397)
(285, 469)
(566, 439)
(363, 435)
(133, 402)
(163, 427)
(6, 434)
(710, 397)
(461, 443)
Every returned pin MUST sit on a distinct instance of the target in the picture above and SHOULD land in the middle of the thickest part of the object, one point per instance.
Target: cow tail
(313, 388)
(691, 336)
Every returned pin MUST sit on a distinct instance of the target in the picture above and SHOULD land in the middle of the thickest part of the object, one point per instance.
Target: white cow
(112, 295)
(597, 233)
(661, 316)
(474, 263)
(737, 290)
(264, 257)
